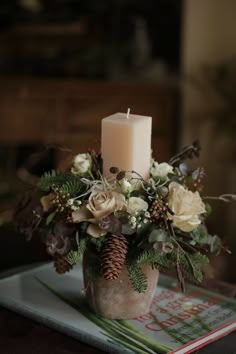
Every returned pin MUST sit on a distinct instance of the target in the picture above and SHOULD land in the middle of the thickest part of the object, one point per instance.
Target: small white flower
(70, 202)
(161, 170)
(81, 164)
(135, 205)
(133, 220)
(73, 204)
(74, 207)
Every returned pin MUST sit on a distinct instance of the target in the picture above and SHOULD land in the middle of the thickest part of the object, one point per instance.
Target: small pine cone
(61, 265)
(113, 256)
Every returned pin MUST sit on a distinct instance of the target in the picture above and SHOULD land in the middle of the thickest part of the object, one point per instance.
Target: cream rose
(136, 205)
(186, 205)
(83, 214)
(103, 203)
(81, 164)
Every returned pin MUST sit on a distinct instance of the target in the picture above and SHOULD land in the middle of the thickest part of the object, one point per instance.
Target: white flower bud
(126, 186)
(81, 164)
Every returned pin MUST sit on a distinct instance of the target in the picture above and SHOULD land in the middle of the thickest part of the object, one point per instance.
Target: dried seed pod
(114, 170)
(120, 175)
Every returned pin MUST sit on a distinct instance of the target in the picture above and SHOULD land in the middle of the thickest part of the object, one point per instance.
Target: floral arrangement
(125, 220)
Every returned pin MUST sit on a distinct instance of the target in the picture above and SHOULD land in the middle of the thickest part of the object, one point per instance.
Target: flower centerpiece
(125, 222)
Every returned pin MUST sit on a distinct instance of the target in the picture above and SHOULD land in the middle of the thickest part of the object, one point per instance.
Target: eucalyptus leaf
(183, 168)
(127, 229)
(163, 191)
(50, 217)
(195, 174)
(208, 209)
(200, 235)
(158, 235)
(215, 243)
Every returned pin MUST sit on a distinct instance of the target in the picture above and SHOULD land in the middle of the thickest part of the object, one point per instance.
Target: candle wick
(127, 115)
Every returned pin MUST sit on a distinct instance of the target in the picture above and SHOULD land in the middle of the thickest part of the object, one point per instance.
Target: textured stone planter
(116, 299)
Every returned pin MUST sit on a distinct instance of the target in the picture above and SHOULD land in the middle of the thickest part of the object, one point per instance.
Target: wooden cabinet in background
(69, 113)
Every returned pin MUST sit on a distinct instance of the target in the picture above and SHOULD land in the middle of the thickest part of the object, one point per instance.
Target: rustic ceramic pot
(116, 299)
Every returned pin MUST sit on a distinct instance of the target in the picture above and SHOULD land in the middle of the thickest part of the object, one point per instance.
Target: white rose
(136, 205)
(81, 164)
(161, 170)
(186, 205)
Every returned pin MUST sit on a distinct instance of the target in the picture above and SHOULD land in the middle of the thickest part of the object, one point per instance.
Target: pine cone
(61, 265)
(113, 256)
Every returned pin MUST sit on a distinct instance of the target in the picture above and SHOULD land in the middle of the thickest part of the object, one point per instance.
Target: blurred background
(66, 64)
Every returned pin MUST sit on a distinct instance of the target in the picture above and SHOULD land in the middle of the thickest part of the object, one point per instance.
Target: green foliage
(74, 257)
(137, 278)
(154, 258)
(50, 178)
(146, 257)
(67, 183)
(73, 186)
(199, 235)
(189, 264)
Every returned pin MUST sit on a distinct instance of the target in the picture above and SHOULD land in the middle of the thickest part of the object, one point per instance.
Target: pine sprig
(189, 264)
(50, 178)
(153, 258)
(74, 257)
(137, 278)
(73, 186)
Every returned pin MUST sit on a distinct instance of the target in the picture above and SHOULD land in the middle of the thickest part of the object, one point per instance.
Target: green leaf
(50, 217)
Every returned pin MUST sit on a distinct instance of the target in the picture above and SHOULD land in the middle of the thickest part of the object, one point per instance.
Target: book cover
(177, 322)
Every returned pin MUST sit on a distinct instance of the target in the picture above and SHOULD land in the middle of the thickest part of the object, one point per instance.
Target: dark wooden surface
(19, 335)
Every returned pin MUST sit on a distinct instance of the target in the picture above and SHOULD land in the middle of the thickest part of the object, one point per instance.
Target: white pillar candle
(126, 143)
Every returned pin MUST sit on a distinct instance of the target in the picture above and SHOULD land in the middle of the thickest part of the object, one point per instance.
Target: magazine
(177, 322)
